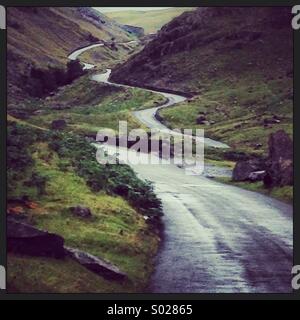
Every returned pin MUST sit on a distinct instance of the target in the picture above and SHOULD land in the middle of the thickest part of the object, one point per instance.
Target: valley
(151, 21)
(169, 232)
(207, 252)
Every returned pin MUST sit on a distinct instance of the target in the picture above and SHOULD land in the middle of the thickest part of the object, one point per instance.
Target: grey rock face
(137, 31)
(25, 239)
(243, 169)
(96, 265)
(257, 176)
(82, 212)
(280, 160)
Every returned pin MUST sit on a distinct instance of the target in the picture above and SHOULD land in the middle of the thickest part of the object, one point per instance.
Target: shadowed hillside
(44, 37)
(238, 64)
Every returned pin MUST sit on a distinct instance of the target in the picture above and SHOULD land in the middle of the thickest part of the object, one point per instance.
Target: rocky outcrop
(96, 265)
(25, 239)
(168, 60)
(201, 119)
(248, 170)
(82, 212)
(102, 22)
(279, 171)
(257, 176)
(137, 31)
(269, 121)
(276, 170)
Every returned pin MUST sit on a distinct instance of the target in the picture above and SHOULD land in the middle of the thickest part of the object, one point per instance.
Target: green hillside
(236, 62)
(57, 169)
(43, 37)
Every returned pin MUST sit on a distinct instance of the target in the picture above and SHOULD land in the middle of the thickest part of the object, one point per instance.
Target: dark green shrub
(41, 82)
(37, 181)
(19, 159)
(74, 70)
(112, 178)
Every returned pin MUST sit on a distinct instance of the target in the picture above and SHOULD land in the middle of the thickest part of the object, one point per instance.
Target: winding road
(217, 238)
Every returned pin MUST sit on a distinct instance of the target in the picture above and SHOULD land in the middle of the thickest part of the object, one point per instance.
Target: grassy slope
(239, 89)
(281, 193)
(238, 63)
(99, 106)
(116, 232)
(104, 57)
(31, 33)
(151, 21)
(238, 79)
(94, 107)
(91, 107)
(44, 275)
(46, 36)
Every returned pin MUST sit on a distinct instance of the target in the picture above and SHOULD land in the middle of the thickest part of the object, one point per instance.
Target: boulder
(96, 265)
(273, 120)
(235, 156)
(201, 120)
(38, 112)
(58, 124)
(258, 146)
(82, 212)
(257, 176)
(280, 146)
(244, 168)
(25, 239)
(279, 165)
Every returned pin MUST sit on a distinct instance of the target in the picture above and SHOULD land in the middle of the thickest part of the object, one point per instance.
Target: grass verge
(284, 194)
(88, 109)
(116, 232)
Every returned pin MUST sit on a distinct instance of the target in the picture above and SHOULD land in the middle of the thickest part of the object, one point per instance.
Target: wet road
(147, 116)
(217, 238)
(75, 54)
